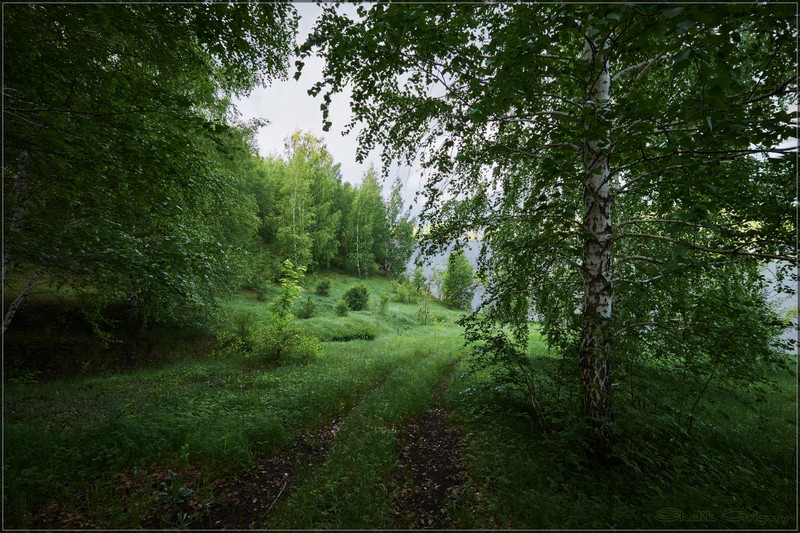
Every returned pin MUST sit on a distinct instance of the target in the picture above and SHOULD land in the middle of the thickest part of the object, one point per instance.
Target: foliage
(457, 288)
(406, 292)
(365, 225)
(342, 308)
(282, 338)
(418, 280)
(307, 308)
(357, 297)
(400, 240)
(245, 326)
(383, 302)
(123, 155)
(424, 315)
(306, 219)
(536, 123)
(259, 273)
(323, 288)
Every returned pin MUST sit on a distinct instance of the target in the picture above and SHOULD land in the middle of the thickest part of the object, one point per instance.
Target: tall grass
(735, 471)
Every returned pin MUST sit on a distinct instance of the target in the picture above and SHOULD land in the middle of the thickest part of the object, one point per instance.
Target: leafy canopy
(620, 164)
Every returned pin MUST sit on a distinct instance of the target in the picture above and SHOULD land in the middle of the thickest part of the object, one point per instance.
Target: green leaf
(673, 12)
(684, 26)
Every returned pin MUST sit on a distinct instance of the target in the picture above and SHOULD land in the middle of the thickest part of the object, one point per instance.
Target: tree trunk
(15, 305)
(595, 341)
(21, 193)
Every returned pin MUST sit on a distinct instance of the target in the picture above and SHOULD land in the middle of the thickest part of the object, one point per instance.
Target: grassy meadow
(167, 440)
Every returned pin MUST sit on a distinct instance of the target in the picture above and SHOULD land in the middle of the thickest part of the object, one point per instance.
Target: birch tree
(599, 151)
(364, 225)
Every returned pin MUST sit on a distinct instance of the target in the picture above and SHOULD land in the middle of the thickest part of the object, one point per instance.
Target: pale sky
(288, 107)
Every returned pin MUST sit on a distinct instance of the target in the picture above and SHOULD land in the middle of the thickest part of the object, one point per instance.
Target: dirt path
(253, 494)
(431, 473)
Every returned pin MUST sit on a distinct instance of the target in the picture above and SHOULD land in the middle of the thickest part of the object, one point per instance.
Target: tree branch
(644, 64)
(698, 247)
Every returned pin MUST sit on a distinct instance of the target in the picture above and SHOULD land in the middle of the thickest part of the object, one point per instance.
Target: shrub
(283, 340)
(357, 297)
(407, 293)
(323, 288)
(382, 303)
(241, 333)
(307, 309)
(341, 308)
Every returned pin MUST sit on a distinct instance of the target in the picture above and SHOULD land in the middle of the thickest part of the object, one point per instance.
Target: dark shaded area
(431, 472)
(251, 496)
(51, 339)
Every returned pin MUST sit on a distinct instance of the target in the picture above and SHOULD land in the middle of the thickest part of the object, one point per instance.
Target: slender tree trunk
(595, 341)
(21, 193)
(15, 305)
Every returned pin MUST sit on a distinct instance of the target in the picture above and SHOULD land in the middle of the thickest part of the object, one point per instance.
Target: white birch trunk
(595, 342)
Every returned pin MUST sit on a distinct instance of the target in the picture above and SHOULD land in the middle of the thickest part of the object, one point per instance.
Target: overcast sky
(288, 107)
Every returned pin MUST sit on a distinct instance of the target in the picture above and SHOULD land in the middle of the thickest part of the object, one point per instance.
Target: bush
(357, 297)
(382, 303)
(407, 293)
(341, 308)
(283, 341)
(323, 288)
(307, 309)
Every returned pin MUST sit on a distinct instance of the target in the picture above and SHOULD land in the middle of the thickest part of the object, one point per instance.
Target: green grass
(353, 489)
(88, 449)
(736, 471)
(68, 439)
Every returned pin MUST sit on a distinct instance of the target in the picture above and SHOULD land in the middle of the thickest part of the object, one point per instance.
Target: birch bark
(595, 341)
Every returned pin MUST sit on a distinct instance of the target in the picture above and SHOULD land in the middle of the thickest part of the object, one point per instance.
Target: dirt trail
(252, 495)
(431, 472)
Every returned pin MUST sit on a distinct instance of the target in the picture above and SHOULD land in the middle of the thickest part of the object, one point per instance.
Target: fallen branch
(277, 497)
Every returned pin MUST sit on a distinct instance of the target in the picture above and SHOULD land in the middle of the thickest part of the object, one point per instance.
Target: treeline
(309, 215)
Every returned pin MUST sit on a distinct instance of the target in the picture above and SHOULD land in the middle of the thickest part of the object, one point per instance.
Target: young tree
(537, 123)
(457, 288)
